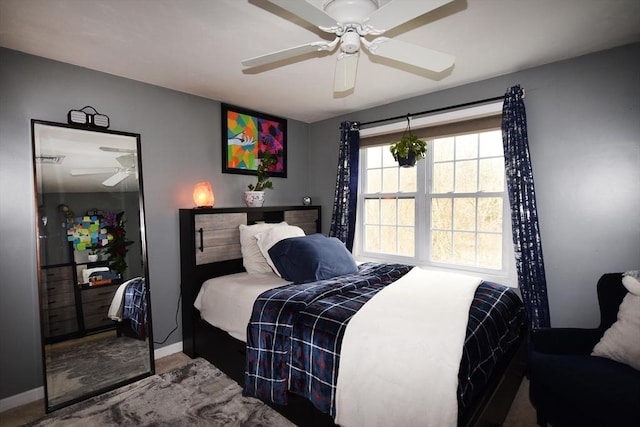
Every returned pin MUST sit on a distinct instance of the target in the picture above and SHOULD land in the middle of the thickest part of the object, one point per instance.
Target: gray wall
(584, 138)
(180, 137)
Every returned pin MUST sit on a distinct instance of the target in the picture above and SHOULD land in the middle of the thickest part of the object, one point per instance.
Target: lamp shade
(203, 195)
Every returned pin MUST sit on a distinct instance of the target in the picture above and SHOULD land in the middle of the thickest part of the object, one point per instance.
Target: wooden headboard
(210, 247)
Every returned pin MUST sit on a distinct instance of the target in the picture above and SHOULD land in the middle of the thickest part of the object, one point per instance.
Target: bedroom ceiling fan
(128, 163)
(352, 21)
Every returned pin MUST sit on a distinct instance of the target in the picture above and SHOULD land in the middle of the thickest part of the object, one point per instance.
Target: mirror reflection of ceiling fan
(128, 166)
(352, 21)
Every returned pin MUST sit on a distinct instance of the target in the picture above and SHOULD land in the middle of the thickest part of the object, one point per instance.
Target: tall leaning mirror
(95, 310)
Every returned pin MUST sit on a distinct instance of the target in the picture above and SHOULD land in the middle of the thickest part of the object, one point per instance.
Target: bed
(487, 379)
(128, 309)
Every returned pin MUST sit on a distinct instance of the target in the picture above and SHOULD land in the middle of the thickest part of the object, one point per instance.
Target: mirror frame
(144, 258)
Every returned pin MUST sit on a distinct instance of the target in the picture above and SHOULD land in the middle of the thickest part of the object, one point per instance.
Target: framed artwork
(246, 135)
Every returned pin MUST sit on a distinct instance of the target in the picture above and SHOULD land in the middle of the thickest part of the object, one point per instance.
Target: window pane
(374, 181)
(491, 174)
(390, 180)
(388, 211)
(443, 149)
(490, 214)
(467, 146)
(387, 157)
(464, 214)
(374, 157)
(388, 239)
(466, 176)
(490, 250)
(408, 180)
(442, 178)
(441, 214)
(491, 144)
(371, 211)
(406, 241)
(372, 238)
(441, 246)
(464, 248)
(406, 212)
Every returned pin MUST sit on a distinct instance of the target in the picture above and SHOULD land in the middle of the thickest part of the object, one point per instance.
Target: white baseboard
(21, 399)
(38, 393)
(167, 350)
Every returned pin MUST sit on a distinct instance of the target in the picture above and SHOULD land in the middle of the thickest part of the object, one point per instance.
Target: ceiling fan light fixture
(350, 11)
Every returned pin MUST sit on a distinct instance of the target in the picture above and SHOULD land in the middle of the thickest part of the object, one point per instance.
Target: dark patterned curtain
(524, 215)
(343, 220)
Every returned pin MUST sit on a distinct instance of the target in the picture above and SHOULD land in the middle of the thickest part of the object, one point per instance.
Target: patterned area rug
(196, 394)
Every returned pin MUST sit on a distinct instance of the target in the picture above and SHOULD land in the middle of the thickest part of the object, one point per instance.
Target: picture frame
(246, 134)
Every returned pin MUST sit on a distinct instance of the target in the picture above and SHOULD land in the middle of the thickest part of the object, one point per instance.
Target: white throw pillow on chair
(621, 342)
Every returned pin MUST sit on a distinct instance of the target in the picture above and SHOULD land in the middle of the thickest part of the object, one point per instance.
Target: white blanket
(401, 353)
(226, 302)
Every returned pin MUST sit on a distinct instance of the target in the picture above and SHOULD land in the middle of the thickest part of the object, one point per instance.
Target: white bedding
(226, 302)
(401, 353)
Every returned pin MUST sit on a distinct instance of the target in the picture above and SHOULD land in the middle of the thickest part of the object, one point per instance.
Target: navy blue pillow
(311, 258)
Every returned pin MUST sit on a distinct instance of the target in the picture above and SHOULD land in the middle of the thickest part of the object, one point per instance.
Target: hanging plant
(409, 149)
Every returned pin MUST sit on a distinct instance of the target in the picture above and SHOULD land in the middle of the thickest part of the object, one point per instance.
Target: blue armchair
(568, 387)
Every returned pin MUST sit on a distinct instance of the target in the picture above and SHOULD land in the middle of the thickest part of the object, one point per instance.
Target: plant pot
(407, 162)
(254, 199)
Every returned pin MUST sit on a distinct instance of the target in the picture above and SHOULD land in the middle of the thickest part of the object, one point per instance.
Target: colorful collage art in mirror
(88, 232)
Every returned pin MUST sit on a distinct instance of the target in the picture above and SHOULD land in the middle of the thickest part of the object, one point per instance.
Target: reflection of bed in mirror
(91, 244)
(227, 326)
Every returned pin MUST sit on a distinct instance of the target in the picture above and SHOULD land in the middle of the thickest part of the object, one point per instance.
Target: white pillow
(252, 258)
(272, 236)
(621, 342)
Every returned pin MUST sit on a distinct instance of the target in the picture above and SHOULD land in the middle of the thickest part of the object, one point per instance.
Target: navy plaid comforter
(295, 333)
(135, 306)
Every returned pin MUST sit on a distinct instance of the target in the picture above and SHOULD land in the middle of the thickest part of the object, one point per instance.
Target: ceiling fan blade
(118, 150)
(92, 171)
(411, 54)
(308, 12)
(127, 161)
(115, 179)
(397, 12)
(346, 67)
(289, 53)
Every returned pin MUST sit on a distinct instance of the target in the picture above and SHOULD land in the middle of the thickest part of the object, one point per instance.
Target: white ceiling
(195, 46)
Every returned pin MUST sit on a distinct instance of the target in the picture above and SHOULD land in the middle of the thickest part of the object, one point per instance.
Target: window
(446, 212)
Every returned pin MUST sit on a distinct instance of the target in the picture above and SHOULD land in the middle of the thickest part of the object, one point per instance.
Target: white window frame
(507, 275)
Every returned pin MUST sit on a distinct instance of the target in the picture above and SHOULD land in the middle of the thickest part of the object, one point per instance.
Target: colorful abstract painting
(246, 135)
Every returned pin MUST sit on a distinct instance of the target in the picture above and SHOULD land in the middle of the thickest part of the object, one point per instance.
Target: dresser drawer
(95, 306)
(57, 280)
(98, 294)
(62, 327)
(61, 313)
(61, 300)
(97, 320)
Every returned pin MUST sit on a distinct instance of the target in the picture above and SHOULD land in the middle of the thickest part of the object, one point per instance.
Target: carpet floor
(195, 394)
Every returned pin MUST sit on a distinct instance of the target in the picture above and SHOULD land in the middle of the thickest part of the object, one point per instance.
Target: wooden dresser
(210, 247)
(95, 307)
(60, 314)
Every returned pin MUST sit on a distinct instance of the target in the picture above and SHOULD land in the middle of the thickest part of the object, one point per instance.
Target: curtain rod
(437, 110)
